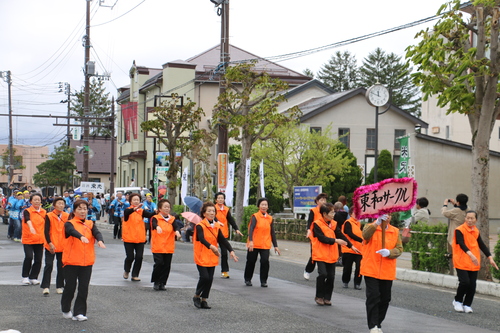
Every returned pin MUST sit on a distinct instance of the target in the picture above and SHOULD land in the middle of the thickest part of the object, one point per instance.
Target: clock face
(377, 95)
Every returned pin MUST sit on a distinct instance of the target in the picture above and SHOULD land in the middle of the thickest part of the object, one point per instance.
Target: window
(370, 138)
(397, 134)
(315, 130)
(344, 136)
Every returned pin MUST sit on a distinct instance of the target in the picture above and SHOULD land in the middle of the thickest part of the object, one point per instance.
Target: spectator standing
(456, 215)
(118, 205)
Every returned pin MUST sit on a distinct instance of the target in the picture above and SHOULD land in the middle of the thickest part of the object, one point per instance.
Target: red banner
(129, 114)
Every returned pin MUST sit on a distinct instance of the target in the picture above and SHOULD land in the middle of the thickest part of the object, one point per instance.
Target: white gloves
(384, 252)
(381, 218)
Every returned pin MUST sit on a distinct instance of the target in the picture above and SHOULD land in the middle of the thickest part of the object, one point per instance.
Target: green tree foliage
(17, 163)
(58, 169)
(428, 247)
(496, 257)
(297, 157)
(463, 76)
(100, 106)
(392, 72)
(308, 72)
(341, 72)
(385, 167)
(176, 127)
(249, 110)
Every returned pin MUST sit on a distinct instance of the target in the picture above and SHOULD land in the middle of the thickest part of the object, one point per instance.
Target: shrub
(248, 211)
(428, 247)
(178, 209)
(496, 257)
(290, 229)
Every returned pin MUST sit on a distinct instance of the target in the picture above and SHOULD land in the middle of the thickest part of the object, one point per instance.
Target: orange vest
(164, 242)
(356, 229)
(328, 253)
(77, 253)
(317, 214)
(37, 219)
(461, 260)
(133, 230)
(203, 256)
(373, 264)
(57, 234)
(262, 232)
(221, 215)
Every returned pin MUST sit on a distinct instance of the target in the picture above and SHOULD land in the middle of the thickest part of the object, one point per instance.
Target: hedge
(428, 247)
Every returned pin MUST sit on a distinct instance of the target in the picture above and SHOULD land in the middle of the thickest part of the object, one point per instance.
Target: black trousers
(117, 230)
(466, 286)
(161, 268)
(224, 265)
(32, 264)
(378, 296)
(205, 281)
(47, 271)
(72, 275)
(134, 253)
(310, 264)
(264, 264)
(325, 279)
(347, 260)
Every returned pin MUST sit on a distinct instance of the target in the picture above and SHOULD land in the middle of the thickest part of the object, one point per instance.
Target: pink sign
(388, 196)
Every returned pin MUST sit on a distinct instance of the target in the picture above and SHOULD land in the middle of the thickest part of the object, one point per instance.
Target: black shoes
(357, 287)
(263, 285)
(156, 286)
(248, 283)
(163, 286)
(345, 285)
(197, 302)
(204, 305)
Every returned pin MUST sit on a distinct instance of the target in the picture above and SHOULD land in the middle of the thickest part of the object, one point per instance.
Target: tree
(175, 125)
(58, 169)
(17, 163)
(297, 157)
(463, 75)
(249, 110)
(100, 106)
(308, 72)
(341, 72)
(385, 168)
(395, 74)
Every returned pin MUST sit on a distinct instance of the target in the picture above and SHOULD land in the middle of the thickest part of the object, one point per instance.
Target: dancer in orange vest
(207, 234)
(378, 266)
(54, 243)
(352, 230)
(325, 238)
(467, 244)
(223, 215)
(78, 259)
(163, 233)
(33, 227)
(313, 216)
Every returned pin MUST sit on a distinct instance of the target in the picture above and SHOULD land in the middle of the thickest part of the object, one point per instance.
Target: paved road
(117, 305)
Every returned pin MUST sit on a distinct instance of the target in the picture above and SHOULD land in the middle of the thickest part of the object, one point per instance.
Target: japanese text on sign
(92, 187)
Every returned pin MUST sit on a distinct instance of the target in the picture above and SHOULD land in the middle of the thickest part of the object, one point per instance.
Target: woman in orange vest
(78, 259)
(223, 215)
(260, 238)
(207, 234)
(467, 244)
(134, 236)
(33, 239)
(313, 216)
(352, 230)
(54, 241)
(325, 235)
(378, 266)
(163, 234)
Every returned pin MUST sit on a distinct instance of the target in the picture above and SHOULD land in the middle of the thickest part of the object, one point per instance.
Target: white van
(141, 190)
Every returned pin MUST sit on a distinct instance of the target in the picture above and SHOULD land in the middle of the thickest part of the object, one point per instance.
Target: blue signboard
(303, 198)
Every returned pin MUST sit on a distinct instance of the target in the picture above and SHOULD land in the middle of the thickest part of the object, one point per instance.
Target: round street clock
(377, 95)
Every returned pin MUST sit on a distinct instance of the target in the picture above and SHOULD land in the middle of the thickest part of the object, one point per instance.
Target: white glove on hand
(381, 218)
(384, 252)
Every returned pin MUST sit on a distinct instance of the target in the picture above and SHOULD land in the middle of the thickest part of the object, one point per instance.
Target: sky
(41, 42)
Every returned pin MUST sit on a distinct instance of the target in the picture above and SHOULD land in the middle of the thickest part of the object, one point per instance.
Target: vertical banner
(230, 185)
(261, 176)
(246, 191)
(404, 161)
(184, 184)
(221, 172)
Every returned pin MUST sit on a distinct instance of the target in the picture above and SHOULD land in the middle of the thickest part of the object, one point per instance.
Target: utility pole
(67, 91)
(112, 173)
(10, 166)
(86, 99)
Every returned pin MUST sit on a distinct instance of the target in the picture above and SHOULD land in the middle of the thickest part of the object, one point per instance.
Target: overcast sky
(41, 42)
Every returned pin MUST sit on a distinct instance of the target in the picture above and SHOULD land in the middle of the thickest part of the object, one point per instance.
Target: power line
(116, 18)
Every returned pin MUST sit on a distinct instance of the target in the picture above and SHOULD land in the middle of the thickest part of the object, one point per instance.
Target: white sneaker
(46, 292)
(80, 317)
(458, 306)
(34, 282)
(307, 275)
(59, 290)
(25, 281)
(467, 309)
(68, 315)
(374, 330)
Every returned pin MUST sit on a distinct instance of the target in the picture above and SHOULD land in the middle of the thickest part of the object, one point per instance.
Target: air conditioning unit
(435, 130)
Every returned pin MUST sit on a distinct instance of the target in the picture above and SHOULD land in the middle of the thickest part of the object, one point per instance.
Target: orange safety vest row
(164, 242)
(204, 256)
(76, 252)
(356, 229)
(328, 253)
(57, 233)
(461, 260)
(262, 232)
(372, 263)
(133, 230)
(221, 215)
(37, 218)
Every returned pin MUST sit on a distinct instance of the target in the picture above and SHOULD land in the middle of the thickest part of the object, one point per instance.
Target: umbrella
(194, 204)
(191, 217)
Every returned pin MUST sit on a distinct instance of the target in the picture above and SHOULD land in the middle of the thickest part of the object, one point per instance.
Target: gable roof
(309, 84)
(317, 105)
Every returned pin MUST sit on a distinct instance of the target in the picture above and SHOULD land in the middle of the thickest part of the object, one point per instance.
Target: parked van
(141, 190)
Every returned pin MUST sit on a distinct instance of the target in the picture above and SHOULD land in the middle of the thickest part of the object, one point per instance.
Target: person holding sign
(381, 246)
